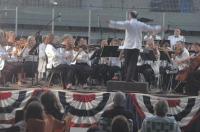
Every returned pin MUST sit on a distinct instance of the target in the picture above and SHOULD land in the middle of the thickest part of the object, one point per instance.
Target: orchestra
(79, 61)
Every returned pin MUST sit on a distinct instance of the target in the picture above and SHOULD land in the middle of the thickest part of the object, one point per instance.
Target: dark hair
(93, 129)
(34, 98)
(34, 111)
(51, 106)
(133, 14)
(120, 124)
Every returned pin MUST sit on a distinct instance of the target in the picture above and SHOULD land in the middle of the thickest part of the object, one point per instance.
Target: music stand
(164, 57)
(148, 55)
(110, 51)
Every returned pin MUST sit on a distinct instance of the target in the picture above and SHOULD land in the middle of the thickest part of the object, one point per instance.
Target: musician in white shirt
(30, 61)
(181, 54)
(133, 40)
(55, 59)
(176, 37)
(81, 60)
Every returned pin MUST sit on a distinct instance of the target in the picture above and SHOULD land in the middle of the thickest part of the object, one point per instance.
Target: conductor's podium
(138, 87)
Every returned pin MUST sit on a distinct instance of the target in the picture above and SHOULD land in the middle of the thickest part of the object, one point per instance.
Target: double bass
(194, 64)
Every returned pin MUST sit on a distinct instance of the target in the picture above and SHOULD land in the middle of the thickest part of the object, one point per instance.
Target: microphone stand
(35, 49)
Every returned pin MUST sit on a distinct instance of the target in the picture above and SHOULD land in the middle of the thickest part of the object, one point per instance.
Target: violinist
(150, 69)
(100, 68)
(11, 68)
(81, 61)
(67, 56)
(29, 61)
(115, 62)
(54, 58)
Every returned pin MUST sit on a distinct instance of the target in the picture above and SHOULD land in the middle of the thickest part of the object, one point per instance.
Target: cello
(194, 64)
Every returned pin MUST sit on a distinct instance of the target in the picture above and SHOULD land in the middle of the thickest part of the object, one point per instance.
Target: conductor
(133, 41)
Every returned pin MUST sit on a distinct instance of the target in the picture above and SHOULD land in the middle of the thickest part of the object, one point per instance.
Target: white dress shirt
(133, 34)
(185, 54)
(173, 39)
(54, 57)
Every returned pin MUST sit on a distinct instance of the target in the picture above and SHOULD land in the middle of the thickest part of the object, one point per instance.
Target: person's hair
(119, 99)
(66, 36)
(93, 129)
(161, 108)
(133, 14)
(50, 102)
(34, 98)
(120, 124)
(34, 111)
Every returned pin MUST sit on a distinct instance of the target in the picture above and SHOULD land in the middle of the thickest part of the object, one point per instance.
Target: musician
(54, 58)
(133, 40)
(149, 68)
(193, 78)
(181, 53)
(30, 61)
(115, 62)
(42, 60)
(176, 37)
(100, 68)
(151, 35)
(11, 68)
(67, 56)
(81, 60)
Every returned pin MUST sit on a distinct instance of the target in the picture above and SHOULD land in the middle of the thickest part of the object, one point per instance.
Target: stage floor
(90, 88)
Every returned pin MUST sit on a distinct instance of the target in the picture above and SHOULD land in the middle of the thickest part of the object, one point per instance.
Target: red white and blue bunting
(87, 108)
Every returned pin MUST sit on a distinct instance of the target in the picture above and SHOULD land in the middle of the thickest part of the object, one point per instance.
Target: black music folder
(164, 56)
(110, 51)
(148, 55)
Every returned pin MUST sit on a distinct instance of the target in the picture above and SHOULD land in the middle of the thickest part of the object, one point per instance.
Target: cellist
(191, 74)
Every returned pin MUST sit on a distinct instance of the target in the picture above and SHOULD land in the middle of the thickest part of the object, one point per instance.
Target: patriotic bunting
(87, 108)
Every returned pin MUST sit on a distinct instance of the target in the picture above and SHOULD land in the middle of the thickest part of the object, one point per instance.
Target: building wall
(74, 13)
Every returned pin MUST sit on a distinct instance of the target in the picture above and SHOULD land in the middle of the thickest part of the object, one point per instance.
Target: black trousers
(83, 71)
(131, 59)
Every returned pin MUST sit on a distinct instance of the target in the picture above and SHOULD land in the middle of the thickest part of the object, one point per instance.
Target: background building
(34, 15)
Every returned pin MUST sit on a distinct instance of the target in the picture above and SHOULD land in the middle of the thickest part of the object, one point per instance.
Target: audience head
(50, 102)
(120, 124)
(93, 129)
(34, 98)
(119, 99)
(34, 111)
(161, 108)
(133, 14)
